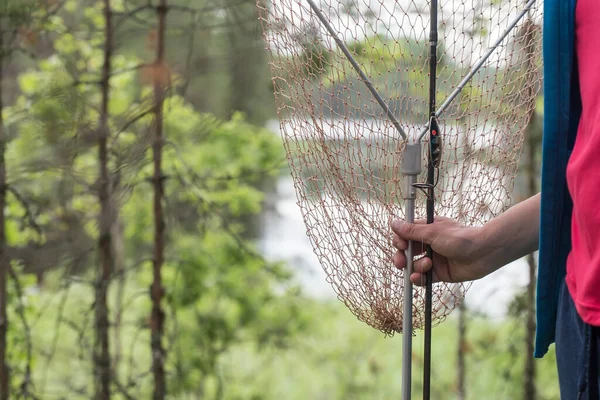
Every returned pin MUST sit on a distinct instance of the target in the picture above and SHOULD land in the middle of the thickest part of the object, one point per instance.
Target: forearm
(512, 235)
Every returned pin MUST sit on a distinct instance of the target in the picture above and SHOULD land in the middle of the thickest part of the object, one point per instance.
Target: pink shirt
(583, 171)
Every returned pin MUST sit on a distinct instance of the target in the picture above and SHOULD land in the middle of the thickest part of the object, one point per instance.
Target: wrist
(486, 248)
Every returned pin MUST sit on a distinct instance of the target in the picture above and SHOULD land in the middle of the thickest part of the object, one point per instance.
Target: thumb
(416, 232)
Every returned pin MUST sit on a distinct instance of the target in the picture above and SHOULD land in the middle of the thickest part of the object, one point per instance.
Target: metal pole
(479, 64)
(411, 168)
(431, 166)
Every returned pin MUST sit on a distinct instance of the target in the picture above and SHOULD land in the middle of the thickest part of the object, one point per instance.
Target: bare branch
(28, 213)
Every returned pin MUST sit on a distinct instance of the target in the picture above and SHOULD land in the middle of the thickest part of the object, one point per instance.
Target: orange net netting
(345, 155)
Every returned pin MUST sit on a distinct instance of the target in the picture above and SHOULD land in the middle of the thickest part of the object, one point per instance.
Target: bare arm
(463, 253)
(514, 234)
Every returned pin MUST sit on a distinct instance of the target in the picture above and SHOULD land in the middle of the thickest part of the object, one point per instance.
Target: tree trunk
(4, 262)
(119, 271)
(102, 366)
(462, 317)
(462, 341)
(157, 291)
(533, 140)
(529, 392)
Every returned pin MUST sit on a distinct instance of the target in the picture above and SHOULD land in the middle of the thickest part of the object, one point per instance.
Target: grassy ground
(337, 358)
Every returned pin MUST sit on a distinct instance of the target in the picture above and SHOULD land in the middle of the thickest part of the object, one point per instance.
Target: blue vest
(562, 109)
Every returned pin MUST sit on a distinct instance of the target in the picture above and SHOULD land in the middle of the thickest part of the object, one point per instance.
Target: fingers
(417, 232)
(400, 260)
(420, 268)
(420, 279)
(422, 265)
(399, 243)
(420, 234)
(402, 245)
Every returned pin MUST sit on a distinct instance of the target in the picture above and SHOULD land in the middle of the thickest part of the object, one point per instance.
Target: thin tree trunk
(462, 308)
(462, 334)
(119, 271)
(157, 291)
(529, 389)
(102, 366)
(462, 318)
(4, 262)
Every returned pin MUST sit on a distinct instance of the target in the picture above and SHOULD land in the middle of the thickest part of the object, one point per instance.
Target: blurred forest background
(136, 170)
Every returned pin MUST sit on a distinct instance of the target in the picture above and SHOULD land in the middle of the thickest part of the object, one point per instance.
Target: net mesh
(345, 155)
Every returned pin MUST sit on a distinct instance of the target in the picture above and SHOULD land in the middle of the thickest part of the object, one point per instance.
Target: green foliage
(16, 13)
(341, 358)
(21, 309)
(236, 325)
(334, 357)
(315, 60)
(220, 291)
(19, 20)
(221, 47)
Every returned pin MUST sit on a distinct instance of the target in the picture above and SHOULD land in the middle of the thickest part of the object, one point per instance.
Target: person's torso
(583, 171)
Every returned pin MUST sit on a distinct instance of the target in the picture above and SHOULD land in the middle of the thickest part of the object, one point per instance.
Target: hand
(458, 251)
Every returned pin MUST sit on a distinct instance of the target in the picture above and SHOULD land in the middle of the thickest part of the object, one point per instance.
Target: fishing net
(345, 153)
